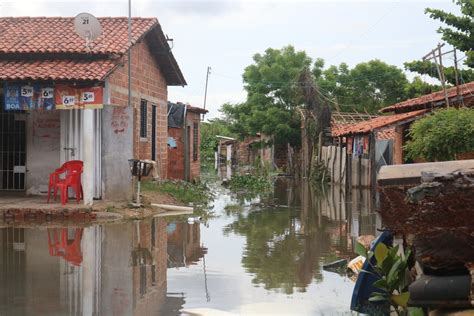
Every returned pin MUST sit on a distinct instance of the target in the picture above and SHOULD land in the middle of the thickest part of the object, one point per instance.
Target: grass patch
(184, 192)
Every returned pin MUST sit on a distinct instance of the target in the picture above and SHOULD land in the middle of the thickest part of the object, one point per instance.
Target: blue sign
(25, 97)
(11, 97)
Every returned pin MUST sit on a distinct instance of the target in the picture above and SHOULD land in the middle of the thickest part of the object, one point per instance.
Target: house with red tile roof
(457, 96)
(61, 100)
(380, 139)
(184, 141)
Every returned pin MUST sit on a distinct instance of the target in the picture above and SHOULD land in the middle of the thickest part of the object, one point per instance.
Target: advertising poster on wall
(25, 97)
(11, 97)
(69, 97)
(46, 98)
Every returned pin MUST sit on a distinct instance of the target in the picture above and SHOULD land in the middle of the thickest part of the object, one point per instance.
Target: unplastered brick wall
(176, 154)
(148, 83)
(195, 165)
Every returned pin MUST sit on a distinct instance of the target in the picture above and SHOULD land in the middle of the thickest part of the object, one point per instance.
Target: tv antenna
(87, 27)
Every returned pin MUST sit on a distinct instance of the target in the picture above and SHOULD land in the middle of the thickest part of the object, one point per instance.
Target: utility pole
(208, 72)
(439, 68)
(456, 71)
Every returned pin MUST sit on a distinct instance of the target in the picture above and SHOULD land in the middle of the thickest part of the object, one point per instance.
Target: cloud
(204, 7)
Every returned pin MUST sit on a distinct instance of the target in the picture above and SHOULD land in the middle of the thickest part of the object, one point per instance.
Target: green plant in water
(250, 183)
(185, 192)
(391, 269)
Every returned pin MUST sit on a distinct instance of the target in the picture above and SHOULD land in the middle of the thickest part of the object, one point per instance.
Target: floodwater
(249, 258)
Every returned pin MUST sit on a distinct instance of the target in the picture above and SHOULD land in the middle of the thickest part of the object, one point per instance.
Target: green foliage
(429, 68)
(418, 88)
(391, 269)
(274, 95)
(209, 131)
(250, 183)
(459, 32)
(185, 192)
(272, 99)
(368, 86)
(442, 135)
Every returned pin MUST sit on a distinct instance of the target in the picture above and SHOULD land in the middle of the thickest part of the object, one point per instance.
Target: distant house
(76, 98)
(377, 141)
(254, 148)
(184, 139)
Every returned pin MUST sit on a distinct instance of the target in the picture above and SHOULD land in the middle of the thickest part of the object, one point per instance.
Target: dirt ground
(34, 210)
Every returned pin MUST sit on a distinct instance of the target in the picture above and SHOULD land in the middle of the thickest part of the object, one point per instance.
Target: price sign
(69, 100)
(87, 97)
(47, 93)
(26, 91)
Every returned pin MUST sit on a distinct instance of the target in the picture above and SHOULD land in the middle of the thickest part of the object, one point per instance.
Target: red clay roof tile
(466, 90)
(56, 35)
(365, 127)
(58, 69)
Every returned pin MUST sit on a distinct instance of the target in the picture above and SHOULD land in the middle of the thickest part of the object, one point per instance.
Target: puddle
(246, 259)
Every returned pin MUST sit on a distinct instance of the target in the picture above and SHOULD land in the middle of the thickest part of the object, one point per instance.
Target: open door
(72, 143)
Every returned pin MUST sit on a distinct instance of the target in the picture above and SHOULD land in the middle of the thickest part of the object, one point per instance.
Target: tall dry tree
(315, 121)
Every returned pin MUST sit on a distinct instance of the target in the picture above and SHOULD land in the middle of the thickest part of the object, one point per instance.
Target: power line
(366, 31)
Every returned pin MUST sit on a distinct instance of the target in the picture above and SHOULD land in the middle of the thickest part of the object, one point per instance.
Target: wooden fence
(345, 169)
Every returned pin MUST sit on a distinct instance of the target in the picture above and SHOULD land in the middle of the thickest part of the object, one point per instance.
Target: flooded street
(250, 257)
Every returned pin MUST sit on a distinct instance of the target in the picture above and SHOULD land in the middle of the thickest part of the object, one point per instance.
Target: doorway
(12, 149)
(72, 142)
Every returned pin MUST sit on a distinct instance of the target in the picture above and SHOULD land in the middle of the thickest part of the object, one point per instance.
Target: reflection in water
(184, 246)
(155, 267)
(286, 244)
(61, 245)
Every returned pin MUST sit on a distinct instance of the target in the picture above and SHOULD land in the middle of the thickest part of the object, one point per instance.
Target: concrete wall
(117, 148)
(42, 149)
(148, 83)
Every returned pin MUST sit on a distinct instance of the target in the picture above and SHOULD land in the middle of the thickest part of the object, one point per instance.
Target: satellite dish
(87, 27)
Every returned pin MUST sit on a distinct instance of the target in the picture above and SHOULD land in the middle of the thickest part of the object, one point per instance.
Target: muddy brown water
(250, 258)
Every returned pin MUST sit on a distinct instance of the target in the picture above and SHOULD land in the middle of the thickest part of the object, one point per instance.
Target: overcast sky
(226, 34)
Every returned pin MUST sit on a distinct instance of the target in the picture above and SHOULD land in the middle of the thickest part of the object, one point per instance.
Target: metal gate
(12, 149)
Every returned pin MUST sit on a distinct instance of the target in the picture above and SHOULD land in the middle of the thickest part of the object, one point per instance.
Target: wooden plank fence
(345, 168)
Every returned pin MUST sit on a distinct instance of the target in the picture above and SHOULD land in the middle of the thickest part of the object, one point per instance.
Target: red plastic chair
(73, 171)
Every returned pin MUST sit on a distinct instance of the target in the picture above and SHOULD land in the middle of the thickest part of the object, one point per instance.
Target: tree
(272, 99)
(209, 131)
(459, 33)
(442, 135)
(368, 86)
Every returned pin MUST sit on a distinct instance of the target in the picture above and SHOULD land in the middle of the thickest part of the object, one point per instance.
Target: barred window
(143, 118)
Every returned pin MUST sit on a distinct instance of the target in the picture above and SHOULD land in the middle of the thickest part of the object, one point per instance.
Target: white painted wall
(42, 149)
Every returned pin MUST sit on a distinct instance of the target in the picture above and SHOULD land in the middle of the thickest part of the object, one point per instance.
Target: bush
(442, 135)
